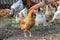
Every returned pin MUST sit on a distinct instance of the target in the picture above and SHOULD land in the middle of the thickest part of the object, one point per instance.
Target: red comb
(33, 9)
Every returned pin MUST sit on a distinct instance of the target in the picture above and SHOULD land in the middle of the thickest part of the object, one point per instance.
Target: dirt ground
(11, 33)
(17, 34)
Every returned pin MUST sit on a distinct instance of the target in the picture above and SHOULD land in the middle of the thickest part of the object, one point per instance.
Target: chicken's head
(33, 10)
(54, 4)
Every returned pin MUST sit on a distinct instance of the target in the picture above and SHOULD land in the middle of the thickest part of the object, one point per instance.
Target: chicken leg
(25, 34)
(30, 33)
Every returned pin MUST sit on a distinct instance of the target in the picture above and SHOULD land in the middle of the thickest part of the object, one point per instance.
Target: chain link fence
(8, 3)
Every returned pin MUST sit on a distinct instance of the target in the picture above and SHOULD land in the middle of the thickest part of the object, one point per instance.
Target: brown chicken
(4, 12)
(27, 23)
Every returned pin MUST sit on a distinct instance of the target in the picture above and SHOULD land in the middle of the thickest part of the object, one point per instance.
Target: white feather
(17, 5)
(57, 14)
(24, 11)
(40, 18)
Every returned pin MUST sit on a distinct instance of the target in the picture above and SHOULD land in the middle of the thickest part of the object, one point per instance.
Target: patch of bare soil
(17, 34)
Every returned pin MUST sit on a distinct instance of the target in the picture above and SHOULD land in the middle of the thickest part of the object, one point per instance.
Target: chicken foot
(25, 34)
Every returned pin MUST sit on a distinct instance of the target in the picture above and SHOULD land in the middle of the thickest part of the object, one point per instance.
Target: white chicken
(40, 18)
(24, 12)
(56, 14)
(17, 6)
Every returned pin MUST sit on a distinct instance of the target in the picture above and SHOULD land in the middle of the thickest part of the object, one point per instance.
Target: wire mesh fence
(8, 3)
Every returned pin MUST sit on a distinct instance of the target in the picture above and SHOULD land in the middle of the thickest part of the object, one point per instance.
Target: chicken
(17, 6)
(40, 18)
(48, 12)
(56, 15)
(4, 12)
(54, 4)
(24, 12)
(27, 23)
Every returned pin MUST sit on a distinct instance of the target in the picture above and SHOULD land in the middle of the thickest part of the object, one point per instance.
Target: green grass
(16, 25)
(34, 28)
